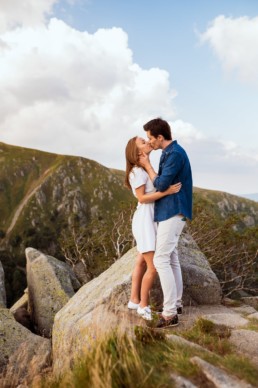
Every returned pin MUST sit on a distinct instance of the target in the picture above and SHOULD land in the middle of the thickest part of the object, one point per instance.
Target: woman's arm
(147, 198)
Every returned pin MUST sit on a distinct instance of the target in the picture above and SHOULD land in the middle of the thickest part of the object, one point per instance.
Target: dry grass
(148, 360)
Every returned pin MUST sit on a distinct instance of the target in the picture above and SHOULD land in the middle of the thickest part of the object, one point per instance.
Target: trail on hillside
(24, 202)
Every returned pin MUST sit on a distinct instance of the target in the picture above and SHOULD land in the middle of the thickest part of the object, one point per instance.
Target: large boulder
(51, 284)
(101, 304)
(97, 307)
(23, 355)
(201, 285)
(2, 287)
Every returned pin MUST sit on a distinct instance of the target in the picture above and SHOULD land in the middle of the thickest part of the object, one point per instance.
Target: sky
(81, 77)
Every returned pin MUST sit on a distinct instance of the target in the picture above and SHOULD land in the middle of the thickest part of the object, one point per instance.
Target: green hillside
(45, 196)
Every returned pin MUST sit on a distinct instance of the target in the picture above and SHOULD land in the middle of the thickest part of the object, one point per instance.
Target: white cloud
(185, 131)
(78, 93)
(73, 92)
(23, 12)
(235, 42)
(216, 164)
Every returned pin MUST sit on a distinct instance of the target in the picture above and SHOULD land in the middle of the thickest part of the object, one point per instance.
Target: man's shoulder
(177, 148)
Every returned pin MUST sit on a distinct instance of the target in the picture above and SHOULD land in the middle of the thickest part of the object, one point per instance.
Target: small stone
(181, 382)
(251, 301)
(244, 309)
(232, 320)
(217, 376)
(182, 341)
(253, 316)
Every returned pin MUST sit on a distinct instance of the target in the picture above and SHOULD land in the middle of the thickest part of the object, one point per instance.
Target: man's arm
(170, 169)
(151, 197)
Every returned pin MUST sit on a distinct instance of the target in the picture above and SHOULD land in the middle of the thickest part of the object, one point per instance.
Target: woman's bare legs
(148, 278)
(138, 272)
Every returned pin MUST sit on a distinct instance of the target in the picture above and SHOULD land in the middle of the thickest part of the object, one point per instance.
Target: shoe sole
(146, 319)
(172, 325)
(166, 327)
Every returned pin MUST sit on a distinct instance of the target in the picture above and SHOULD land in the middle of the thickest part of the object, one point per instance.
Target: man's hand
(144, 160)
(145, 163)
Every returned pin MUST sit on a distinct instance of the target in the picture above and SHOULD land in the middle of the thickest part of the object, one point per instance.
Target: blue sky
(123, 62)
(164, 34)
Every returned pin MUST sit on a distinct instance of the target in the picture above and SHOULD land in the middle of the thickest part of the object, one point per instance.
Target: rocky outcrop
(20, 311)
(21, 303)
(251, 301)
(101, 304)
(93, 310)
(81, 273)
(2, 287)
(201, 285)
(245, 342)
(22, 354)
(51, 284)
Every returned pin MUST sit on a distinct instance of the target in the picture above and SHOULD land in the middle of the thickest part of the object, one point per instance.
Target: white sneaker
(145, 313)
(132, 306)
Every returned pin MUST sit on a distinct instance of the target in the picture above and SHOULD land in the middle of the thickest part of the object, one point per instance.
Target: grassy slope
(73, 188)
(21, 170)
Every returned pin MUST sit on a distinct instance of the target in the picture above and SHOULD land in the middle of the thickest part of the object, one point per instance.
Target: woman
(143, 225)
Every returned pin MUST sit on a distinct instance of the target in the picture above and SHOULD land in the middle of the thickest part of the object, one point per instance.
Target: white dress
(143, 226)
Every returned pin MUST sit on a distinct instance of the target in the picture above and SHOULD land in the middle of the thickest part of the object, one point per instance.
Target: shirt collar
(169, 147)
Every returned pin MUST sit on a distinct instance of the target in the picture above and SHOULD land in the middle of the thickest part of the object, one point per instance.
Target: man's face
(156, 143)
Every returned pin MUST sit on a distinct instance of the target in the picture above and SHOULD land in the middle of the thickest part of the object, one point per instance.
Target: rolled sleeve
(170, 170)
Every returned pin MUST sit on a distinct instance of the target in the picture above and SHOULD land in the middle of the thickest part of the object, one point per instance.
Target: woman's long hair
(132, 159)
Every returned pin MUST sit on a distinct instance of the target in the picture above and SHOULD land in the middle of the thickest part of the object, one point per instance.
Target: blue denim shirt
(174, 167)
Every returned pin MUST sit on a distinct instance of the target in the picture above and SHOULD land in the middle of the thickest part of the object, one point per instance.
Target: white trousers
(167, 263)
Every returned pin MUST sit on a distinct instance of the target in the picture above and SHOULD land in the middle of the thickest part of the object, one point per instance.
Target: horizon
(81, 77)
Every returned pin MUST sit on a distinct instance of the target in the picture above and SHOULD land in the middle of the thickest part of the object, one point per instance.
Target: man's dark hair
(158, 127)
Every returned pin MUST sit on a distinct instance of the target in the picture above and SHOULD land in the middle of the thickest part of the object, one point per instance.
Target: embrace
(164, 204)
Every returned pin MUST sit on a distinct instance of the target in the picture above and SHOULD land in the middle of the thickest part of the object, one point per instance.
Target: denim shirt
(174, 167)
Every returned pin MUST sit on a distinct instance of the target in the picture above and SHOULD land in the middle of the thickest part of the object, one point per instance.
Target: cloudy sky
(81, 77)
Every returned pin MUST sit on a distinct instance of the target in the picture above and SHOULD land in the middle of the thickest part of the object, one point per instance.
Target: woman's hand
(174, 188)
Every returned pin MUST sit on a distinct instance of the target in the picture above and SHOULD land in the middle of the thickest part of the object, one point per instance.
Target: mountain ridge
(45, 194)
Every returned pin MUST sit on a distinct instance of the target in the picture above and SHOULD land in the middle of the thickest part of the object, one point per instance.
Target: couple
(164, 204)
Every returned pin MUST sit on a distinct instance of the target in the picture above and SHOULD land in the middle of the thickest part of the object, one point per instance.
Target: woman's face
(143, 145)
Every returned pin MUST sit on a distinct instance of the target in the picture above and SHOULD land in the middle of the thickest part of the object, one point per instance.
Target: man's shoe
(163, 323)
(179, 310)
(132, 305)
(145, 313)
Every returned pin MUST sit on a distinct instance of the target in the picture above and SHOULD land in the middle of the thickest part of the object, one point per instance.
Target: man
(170, 213)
